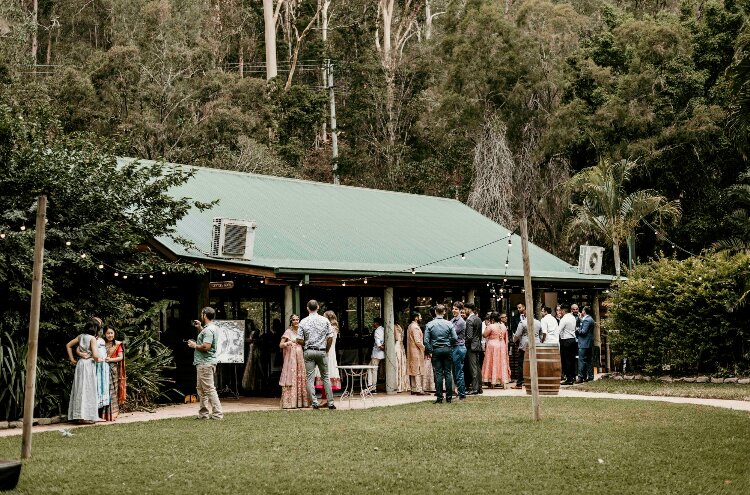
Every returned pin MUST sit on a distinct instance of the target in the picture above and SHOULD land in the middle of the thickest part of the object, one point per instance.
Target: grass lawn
(482, 445)
(675, 389)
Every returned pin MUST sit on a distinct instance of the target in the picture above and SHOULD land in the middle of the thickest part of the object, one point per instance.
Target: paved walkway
(246, 404)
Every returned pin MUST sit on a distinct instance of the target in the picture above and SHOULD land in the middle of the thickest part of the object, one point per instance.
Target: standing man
(585, 343)
(316, 335)
(566, 330)
(522, 337)
(459, 351)
(415, 356)
(549, 327)
(204, 359)
(439, 337)
(474, 347)
(378, 353)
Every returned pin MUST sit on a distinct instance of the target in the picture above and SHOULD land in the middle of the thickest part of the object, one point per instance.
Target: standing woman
(117, 384)
(333, 365)
(293, 379)
(103, 381)
(83, 403)
(402, 376)
(496, 367)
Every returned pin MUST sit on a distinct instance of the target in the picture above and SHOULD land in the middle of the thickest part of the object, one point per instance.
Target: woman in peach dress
(496, 367)
(293, 377)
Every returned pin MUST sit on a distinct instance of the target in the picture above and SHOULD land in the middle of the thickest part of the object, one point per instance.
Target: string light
(223, 274)
(67, 243)
(413, 271)
(2, 236)
(124, 276)
(300, 283)
(463, 256)
(23, 227)
(83, 255)
(365, 280)
(343, 284)
(262, 281)
(101, 267)
(150, 276)
(117, 274)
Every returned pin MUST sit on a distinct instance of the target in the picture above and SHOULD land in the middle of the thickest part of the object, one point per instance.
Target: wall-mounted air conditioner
(233, 238)
(590, 260)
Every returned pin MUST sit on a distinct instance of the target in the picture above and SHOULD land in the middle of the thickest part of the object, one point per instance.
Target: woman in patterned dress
(333, 365)
(117, 380)
(402, 375)
(496, 366)
(293, 377)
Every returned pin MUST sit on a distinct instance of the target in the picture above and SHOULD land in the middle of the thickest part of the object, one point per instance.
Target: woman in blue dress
(83, 396)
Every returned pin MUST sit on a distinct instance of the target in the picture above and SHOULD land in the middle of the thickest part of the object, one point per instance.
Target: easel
(227, 390)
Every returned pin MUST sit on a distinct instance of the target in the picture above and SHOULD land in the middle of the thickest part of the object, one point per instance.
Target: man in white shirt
(549, 327)
(566, 331)
(378, 353)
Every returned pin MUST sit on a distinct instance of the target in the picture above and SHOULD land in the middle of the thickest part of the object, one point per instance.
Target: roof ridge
(290, 179)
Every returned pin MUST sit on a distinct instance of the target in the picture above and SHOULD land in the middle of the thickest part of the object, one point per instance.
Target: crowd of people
(99, 383)
(433, 360)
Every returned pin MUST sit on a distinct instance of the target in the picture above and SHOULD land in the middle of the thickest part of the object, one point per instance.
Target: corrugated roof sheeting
(322, 227)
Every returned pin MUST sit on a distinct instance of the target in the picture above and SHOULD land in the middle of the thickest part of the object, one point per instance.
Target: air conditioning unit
(590, 260)
(233, 238)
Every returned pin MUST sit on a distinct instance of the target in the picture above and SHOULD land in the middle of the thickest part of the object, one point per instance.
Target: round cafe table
(354, 373)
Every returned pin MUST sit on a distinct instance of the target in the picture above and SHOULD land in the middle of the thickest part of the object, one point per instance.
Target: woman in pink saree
(496, 366)
(293, 376)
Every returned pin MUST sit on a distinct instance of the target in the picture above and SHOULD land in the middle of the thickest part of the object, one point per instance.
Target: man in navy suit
(585, 336)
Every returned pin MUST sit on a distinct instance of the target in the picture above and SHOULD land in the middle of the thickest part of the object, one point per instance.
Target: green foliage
(684, 314)
(53, 381)
(146, 358)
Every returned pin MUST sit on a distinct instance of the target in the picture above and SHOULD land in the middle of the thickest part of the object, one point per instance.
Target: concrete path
(246, 404)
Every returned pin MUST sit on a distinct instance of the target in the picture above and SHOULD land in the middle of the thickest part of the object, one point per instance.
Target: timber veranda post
(36, 302)
(529, 300)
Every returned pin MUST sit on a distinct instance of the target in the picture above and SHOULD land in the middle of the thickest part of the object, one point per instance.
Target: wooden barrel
(548, 369)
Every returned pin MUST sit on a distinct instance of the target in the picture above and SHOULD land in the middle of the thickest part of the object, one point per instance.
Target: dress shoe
(315, 406)
(438, 401)
(331, 407)
(471, 392)
(449, 400)
(480, 392)
(461, 397)
(517, 387)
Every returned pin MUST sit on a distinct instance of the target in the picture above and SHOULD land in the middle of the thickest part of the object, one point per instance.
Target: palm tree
(607, 211)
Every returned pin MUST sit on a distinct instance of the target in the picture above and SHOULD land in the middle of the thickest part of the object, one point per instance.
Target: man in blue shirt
(204, 359)
(459, 351)
(585, 336)
(439, 339)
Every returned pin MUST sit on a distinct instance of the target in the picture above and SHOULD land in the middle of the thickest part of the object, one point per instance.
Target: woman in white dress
(333, 365)
(83, 398)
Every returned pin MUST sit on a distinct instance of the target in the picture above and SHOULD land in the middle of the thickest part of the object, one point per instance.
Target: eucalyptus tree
(606, 210)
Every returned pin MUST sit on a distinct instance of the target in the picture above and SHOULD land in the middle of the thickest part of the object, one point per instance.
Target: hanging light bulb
(510, 242)
(488, 284)
(506, 264)
(505, 280)
(463, 256)
(413, 271)
(2, 236)
(163, 273)
(223, 274)
(140, 277)
(365, 280)
(23, 227)
(151, 276)
(117, 274)
(300, 283)
(343, 284)
(83, 255)
(124, 276)
(262, 281)
(67, 243)
(101, 267)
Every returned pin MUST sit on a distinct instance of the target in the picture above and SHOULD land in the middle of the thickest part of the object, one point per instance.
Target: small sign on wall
(224, 284)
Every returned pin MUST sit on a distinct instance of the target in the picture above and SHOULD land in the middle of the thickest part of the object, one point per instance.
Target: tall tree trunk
(241, 59)
(529, 299)
(323, 5)
(34, 33)
(616, 252)
(48, 57)
(427, 20)
(269, 22)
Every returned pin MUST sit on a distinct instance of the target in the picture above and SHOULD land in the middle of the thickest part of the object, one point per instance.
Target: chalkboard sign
(230, 341)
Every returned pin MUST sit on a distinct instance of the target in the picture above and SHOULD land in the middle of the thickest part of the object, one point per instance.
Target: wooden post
(597, 357)
(36, 303)
(529, 299)
(391, 378)
(288, 304)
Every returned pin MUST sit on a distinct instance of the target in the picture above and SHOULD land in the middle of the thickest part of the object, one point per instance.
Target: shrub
(687, 316)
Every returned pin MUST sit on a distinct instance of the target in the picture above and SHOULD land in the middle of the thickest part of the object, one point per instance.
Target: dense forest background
(416, 85)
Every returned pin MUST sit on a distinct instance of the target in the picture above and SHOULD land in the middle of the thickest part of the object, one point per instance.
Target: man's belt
(315, 349)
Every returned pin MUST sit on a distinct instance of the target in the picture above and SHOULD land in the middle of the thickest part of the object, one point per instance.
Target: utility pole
(334, 132)
(36, 303)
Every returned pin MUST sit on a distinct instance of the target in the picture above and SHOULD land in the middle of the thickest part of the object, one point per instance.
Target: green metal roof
(313, 227)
